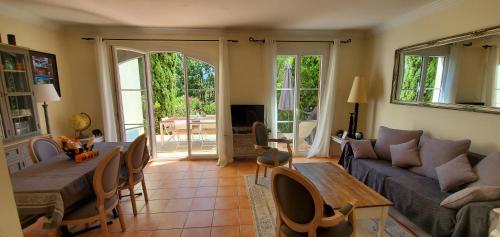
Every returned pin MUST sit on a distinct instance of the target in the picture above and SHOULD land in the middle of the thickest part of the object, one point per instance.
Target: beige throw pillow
(363, 149)
(472, 194)
(405, 154)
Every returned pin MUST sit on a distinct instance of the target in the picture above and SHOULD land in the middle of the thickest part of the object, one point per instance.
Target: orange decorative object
(85, 156)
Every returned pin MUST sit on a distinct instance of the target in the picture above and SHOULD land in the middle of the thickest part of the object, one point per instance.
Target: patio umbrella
(286, 98)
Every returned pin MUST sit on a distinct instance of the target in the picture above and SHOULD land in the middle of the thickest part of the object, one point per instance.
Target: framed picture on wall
(44, 68)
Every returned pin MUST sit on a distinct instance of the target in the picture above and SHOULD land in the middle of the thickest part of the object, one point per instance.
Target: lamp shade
(45, 93)
(358, 91)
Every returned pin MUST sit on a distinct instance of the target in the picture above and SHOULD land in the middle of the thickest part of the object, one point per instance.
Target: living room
(243, 43)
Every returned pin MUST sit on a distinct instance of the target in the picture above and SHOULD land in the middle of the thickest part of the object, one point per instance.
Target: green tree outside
(411, 78)
(167, 69)
(309, 85)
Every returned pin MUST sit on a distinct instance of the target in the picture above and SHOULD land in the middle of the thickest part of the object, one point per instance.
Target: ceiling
(263, 14)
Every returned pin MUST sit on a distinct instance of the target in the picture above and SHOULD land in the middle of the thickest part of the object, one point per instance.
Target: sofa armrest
(481, 216)
(494, 228)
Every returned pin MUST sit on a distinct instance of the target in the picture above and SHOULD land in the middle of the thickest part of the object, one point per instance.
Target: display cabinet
(19, 120)
(19, 116)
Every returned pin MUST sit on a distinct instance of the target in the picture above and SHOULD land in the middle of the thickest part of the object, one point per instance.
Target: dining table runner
(52, 187)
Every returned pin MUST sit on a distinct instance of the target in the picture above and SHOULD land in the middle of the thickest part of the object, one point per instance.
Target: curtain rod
(189, 40)
(252, 39)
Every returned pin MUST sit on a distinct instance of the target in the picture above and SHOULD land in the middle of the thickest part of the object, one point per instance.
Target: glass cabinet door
(21, 113)
(17, 91)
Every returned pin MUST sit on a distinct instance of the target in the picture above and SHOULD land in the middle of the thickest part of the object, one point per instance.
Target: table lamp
(46, 93)
(356, 96)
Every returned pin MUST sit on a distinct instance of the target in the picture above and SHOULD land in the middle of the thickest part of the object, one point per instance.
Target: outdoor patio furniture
(176, 126)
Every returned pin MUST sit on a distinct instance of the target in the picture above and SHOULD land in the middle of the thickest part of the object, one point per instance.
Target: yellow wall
(9, 223)
(51, 40)
(246, 68)
(459, 17)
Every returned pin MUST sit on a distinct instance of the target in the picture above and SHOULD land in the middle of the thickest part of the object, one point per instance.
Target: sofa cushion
(488, 171)
(374, 172)
(388, 136)
(455, 173)
(418, 198)
(435, 152)
(362, 149)
(405, 154)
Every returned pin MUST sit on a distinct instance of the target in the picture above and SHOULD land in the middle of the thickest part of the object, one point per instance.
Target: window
(418, 86)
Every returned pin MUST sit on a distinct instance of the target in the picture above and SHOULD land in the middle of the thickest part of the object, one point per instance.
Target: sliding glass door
(297, 98)
(202, 107)
(184, 106)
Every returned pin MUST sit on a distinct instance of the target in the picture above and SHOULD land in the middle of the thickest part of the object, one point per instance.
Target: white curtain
(489, 75)
(269, 65)
(106, 91)
(321, 143)
(451, 78)
(224, 127)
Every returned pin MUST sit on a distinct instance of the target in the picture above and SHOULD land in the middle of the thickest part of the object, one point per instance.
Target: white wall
(440, 21)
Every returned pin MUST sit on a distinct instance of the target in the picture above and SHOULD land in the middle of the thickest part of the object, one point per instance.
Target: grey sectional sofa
(419, 197)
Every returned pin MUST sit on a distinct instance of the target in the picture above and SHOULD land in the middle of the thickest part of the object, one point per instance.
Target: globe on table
(80, 122)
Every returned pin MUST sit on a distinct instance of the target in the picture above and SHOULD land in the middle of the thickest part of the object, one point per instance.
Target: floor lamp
(46, 93)
(356, 96)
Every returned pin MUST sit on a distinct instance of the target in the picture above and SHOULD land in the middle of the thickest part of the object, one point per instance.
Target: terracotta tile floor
(188, 198)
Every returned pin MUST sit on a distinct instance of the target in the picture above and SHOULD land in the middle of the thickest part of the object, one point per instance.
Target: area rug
(264, 213)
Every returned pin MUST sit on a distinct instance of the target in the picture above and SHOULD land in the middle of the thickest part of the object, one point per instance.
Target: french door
(298, 86)
(171, 98)
(133, 94)
(185, 106)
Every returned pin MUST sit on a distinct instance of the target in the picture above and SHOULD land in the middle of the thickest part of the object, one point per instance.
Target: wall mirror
(460, 72)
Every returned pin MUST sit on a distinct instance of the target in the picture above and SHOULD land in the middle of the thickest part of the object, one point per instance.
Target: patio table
(181, 124)
(50, 188)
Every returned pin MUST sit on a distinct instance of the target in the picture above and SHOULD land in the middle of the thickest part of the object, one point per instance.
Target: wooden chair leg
(144, 190)
(257, 174)
(290, 164)
(132, 199)
(265, 171)
(102, 221)
(120, 217)
(278, 225)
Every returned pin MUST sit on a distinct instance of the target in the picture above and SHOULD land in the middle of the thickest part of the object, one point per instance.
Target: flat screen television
(246, 115)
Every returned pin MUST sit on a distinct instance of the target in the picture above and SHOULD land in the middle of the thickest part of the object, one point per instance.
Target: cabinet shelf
(16, 71)
(21, 116)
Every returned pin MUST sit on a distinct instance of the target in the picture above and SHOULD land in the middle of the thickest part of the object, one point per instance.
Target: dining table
(56, 186)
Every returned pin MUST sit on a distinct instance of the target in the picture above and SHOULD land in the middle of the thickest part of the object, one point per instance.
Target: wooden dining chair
(43, 148)
(106, 199)
(135, 161)
(267, 156)
(301, 211)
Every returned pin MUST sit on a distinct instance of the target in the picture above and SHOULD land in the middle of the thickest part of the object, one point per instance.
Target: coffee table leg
(384, 211)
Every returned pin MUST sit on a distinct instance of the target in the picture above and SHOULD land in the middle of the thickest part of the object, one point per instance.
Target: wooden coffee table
(338, 188)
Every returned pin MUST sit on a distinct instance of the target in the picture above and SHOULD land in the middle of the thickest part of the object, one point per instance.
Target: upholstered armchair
(301, 211)
(269, 156)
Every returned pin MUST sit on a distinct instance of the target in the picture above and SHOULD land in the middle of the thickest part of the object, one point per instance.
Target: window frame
(422, 77)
